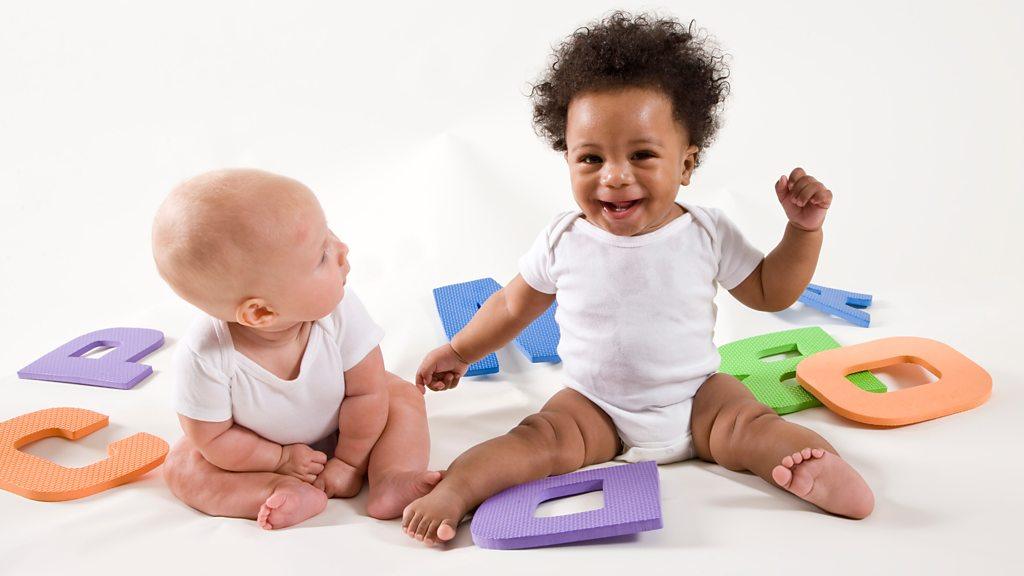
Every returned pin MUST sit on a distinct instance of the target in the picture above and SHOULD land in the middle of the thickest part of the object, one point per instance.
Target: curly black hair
(624, 50)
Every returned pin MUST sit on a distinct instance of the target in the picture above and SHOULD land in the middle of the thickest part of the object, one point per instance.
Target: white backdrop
(411, 123)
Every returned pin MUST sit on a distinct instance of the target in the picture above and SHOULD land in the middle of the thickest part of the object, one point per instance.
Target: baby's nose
(614, 176)
(342, 253)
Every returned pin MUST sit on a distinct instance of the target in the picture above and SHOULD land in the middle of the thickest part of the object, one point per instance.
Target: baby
(284, 368)
(631, 102)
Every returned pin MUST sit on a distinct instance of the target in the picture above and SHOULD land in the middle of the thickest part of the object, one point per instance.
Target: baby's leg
(732, 428)
(568, 433)
(273, 500)
(397, 471)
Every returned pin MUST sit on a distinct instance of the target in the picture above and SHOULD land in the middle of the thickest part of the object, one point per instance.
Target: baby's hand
(804, 199)
(339, 480)
(441, 369)
(301, 461)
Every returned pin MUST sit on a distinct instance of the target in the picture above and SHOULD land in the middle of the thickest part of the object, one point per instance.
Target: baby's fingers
(782, 188)
(319, 457)
(436, 382)
(807, 188)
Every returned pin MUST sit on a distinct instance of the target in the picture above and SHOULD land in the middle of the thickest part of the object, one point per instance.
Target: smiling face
(627, 157)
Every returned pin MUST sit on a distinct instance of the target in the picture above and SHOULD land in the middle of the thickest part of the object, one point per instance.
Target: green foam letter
(744, 360)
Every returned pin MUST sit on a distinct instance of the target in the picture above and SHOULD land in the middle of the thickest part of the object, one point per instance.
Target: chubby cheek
(324, 298)
(584, 190)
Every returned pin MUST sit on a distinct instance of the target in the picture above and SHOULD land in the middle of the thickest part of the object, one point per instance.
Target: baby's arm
(361, 420)
(236, 449)
(783, 275)
(502, 317)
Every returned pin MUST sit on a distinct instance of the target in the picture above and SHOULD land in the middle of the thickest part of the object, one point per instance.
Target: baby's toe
(788, 462)
(445, 531)
(817, 452)
(797, 458)
(414, 525)
(806, 453)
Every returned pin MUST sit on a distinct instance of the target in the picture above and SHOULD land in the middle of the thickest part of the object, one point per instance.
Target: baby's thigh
(213, 490)
(600, 438)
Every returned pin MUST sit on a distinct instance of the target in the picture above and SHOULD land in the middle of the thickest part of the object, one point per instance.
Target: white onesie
(637, 316)
(216, 382)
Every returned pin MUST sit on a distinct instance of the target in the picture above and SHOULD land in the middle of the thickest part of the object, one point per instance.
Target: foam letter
(41, 479)
(457, 303)
(632, 504)
(846, 305)
(116, 369)
(743, 359)
(962, 384)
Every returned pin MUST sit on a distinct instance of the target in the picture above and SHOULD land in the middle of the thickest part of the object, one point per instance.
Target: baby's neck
(248, 337)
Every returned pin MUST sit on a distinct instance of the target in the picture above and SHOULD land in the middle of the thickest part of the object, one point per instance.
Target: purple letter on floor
(632, 504)
(116, 369)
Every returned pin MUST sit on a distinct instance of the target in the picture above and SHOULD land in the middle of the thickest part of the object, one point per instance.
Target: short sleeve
(737, 257)
(535, 265)
(203, 392)
(357, 333)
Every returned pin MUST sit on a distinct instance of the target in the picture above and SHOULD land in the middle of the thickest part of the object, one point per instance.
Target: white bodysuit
(637, 316)
(216, 382)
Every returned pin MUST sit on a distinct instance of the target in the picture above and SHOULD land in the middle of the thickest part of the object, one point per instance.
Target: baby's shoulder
(558, 226)
(205, 343)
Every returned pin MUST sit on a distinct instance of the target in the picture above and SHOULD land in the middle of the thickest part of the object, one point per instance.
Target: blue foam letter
(457, 303)
(846, 305)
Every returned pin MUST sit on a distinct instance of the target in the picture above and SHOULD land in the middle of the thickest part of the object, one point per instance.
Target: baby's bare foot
(292, 502)
(827, 481)
(433, 518)
(390, 494)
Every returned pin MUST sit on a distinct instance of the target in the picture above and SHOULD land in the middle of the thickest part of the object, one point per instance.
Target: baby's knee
(404, 394)
(180, 464)
(556, 435)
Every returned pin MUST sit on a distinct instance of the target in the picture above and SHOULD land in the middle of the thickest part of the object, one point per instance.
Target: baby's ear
(689, 162)
(255, 313)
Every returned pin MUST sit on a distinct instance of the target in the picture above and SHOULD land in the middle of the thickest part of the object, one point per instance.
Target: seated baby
(631, 102)
(284, 367)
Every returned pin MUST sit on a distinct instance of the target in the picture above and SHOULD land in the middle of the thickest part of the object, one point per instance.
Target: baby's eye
(643, 155)
(590, 159)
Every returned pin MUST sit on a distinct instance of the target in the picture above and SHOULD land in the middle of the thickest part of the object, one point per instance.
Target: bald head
(216, 234)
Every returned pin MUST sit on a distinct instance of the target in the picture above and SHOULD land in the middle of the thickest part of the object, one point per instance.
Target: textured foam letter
(632, 504)
(457, 303)
(41, 479)
(744, 360)
(962, 384)
(116, 369)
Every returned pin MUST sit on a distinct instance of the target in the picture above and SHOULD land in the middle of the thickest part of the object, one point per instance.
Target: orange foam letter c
(41, 479)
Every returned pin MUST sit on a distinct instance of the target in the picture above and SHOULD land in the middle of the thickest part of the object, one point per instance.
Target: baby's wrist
(282, 459)
(458, 355)
(800, 228)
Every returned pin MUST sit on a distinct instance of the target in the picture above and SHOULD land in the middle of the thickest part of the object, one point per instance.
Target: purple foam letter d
(632, 504)
(116, 369)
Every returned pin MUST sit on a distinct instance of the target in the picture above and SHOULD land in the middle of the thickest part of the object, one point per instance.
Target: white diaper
(677, 451)
(653, 424)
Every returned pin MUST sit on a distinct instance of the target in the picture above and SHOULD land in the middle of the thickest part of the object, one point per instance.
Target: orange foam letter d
(961, 383)
(41, 479)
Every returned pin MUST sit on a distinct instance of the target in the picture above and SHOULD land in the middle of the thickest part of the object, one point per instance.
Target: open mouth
(620, 209)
